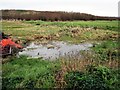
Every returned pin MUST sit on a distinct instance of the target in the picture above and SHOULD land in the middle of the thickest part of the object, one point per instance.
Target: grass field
(74, 31)
(98, 70)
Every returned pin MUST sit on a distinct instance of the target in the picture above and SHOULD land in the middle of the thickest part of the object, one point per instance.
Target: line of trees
(49, 15)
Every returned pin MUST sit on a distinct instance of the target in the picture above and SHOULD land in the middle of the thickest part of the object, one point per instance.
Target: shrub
(11, 82)
(96, 78)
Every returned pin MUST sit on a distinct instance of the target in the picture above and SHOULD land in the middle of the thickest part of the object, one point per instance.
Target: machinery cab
(7, 46)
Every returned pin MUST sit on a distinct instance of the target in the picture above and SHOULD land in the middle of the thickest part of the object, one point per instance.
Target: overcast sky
(95, 7)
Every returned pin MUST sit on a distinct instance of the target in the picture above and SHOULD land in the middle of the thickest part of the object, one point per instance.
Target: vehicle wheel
(5, 51)
(14, 50)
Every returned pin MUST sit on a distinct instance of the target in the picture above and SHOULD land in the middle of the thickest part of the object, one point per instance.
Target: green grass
(29, 73)
(107, 45)
(107, 50)
(109, 25)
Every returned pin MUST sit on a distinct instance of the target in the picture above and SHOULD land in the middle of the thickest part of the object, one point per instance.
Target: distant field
(73, 31)
(111, 25)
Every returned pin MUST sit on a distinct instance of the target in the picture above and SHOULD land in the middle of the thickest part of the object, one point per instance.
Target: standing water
(53, 50)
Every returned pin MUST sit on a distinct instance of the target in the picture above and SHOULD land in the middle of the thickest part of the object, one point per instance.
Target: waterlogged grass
(24, 72)
(73, 31)
(99, 72)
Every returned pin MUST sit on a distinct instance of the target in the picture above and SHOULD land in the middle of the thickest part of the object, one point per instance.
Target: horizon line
(59, 11)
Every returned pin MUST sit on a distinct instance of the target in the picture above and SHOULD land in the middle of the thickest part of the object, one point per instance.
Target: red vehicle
(7, 46)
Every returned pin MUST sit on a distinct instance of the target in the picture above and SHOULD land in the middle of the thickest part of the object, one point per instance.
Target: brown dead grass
(75, 64)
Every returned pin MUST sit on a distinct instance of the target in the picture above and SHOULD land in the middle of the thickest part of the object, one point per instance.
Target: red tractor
(7, 46)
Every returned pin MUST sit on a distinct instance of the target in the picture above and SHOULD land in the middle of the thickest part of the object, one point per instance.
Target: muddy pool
(53, 50)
